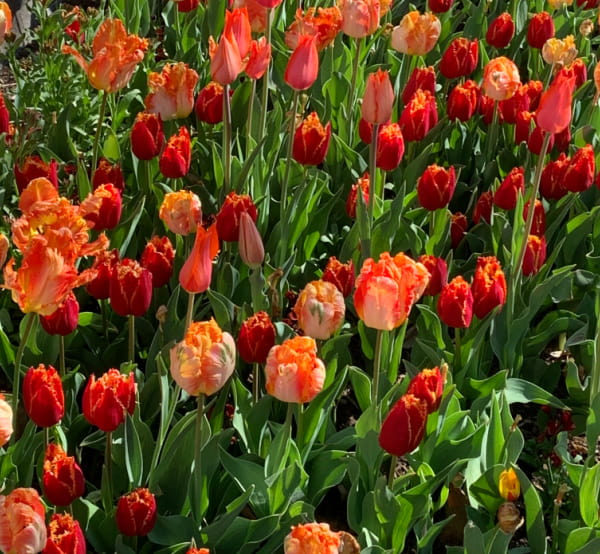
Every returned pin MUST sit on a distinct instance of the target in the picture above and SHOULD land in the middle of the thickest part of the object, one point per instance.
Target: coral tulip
(320, 309)
(258, 59)
(455, 303)
(62, 477)
(416, 34)
(196, 273)
(252, 250)
(378, 99)
(312, 538)
(303, 66)
(325, 23)
(6, 417)
(360, 18)
(5, 20)
(172, 91)
(181, 212)
(22, 525)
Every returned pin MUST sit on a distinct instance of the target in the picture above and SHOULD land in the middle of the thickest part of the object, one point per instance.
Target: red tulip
(579, 174)
(455, 303)
(428, 385)
(33, 167)
(518, 102)
(508, 192)
(62, 477)
(483, 208)
(43, 396)
(540, 29)
(460, 58)
(177, 155)
(419, 116)
(303, 66)
(209, 104)
(458, 228)
(256, 338)
(501, 31)
(436, 186)
(341, 275)
(438, 269)
(535, 255)
(157, 258)
(311, 141)
(136, 513)
(552, 180)
(64, 320)
(439, 6)
(390, 147)
(108, 173)
(130, 289)
(104, 266)
(102, 207)
(488, 287)
(421, 78)
(147, 136)
(463, 101)
(363, 185)
(64, 536)
(228, 218)
(538, 224)
(404, 426)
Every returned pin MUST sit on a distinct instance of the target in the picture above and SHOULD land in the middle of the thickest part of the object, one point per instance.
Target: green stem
(351, 101)
(493, 132)
(392, 471)
(288, 161)
(108, 466)
(366, 241)
(197, 476)
(131, 341)
(595, 384)
(104, 311)
(457, 348)
(226, 141)
(16, 384)
(255, 382)
(300, 425)
(189, 313)
(99, 131)
(265, 82)
(250, 115)
(376, 368)
(62, 366)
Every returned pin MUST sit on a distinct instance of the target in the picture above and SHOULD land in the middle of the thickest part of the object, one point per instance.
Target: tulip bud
(438, 269)
(108, 173)
(64, 320)
(404, 426)
(196, 273)
(62, 477)
(421, 78)
(501, 31)
(508, 485)
(455, 303)
(554, 112)
(460, 58)
(436, 186)
(540, 29)
(136, 513)
(33, 167)
(363, 185)
(341, 275)
(509, 517)
(104, 267)
(488, 287)
(209, 104)
(311, 141)
(538, 224)
(147, 136)
(535, 255)
(508, 192)
(390, 147)
(176, 157)
(378, 99)
(483, 208)
(428, 385)
(579, 174)
(320, 309)
(102, 207)
(458, 228)
(181, 211)
(157, 258)
(64, 536)
(552, 179)
(6, 417)
(303, 66)
(463, 101)
(419, 116)
(228, 218)
(130, 289)
(256, 338)
(251, 246)
(43, 396)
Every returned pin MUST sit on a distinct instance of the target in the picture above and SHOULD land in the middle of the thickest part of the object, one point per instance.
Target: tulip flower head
(508, 485)
(172, 91)
(417, 34)
(252, 250)
(455, 303)
(312, 538)
(256, 338)
(181, 212)
(177, 156)
(157, 258)
(62, 477)
(33, 167)
(508, 192)
(501, 31)
(460, 58)
(421, 78)
(64, 535)
(378, 99)
(535, 255)
(419, 116)
(438, 270)
(147, 135)
(341, 275)
(320, 309)
(130, 289)
(64, 320)
(43, 395)
(554, 112)
(436, 186)
(303, 66)
(500, 79)
(488, 287)
(5, 20)
(6, 417)
(325, 23)
(311, 141)
(196, 273)
(463, 101)
(540, 29)
(102, 207)
(228, 218)
(404, 426)
(559, 51)
(136, 513)
(428, 385)
(360, 18)
(22, 521)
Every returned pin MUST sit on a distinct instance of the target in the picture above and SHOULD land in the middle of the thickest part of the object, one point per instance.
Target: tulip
(363, 185)
(185, 6)
(438, 270)
(483, 208)
(501, 31)
(62, 477)
(130, 289)
(552, 179)
(488, 287)
(73, 29)
(463, 101)
(64, 536)
(312, 538)
(435, 187)
(33, 167)
(386, 290)
(404, 426)
(64, 320)
(204, 360)
(4, 246)
(157, 258)
(535, 255)
(417, 34)
(136, 513)
(538, 224)
(325, 23)
(559, 51)
(259, 58)
(209, 104)
(520, 101)
(439, 6)
(378, 99)
(311, 141)
(196, 273)
(320, 309)
(6, 417)
(225, 59)
(508, 485)
(103, 267)
(421, 78)
(508, 192)
(303, 66)
(460, 58)
(293, 371)
(428, 385)
(341, 275)
(390, 147)
(487, 108)
(455, 303)
(251, 246)
(360, 18)
(22, 525)
(540, 29)
(500, 79)
(228, 218)
(419, 116)
(102, 207)
(181, 211)
(580, 69)
(4, 117)
(458, 228)
(554, 112)
(5, 20)
(197, 551)
(256, 338)
(177, 155)
(106, 172)
(561, 140)
(172, 91)
(107, 399)
(579, 174)
(147, 136)
(523, 126)
(534, 91)
(536, 140)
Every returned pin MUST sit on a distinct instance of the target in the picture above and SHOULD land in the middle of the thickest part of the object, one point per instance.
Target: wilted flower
(559, 51)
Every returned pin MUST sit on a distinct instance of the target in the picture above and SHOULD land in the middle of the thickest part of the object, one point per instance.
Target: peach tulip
(378, 99)
(172, 91)
(360, 18)
(181, 211)
(6, 416)
(22, 522)
(500, 79)
(416, 34)
(320, 309)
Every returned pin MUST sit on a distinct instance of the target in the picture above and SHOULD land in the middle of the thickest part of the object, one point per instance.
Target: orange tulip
(416, 34)
(303, 66)
(500, 79)
(38, 190)
(5, 20)
(22, 525)
(172, 91)
(225, 59)
(203, 361)
(312, 538)
(257, 14)
(181, 211)
(554, 111)
(360, 18)
(378, 99)
(115, 56)
(320, 309)
(559, 51)
(326, 24)
(196, 273)
(259, 58)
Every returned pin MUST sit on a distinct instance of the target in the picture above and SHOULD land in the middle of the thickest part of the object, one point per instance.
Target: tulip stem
(457, 348)
(366, 241)
(197, 475)
(62, 366)
(108, 473)
(189, 313)
(350, 113)
(376, 368)
(98, 131)
(288, 161)
(29, 319)
(131, 341)
(255, 382)
(226, 141)
(493, 134)
(516, 270)
(265, 83)
(392, 471)
(250, 114)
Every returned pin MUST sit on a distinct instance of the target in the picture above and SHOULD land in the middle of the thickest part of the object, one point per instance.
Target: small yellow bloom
(508, 485)
(557, 50)
(556, 4)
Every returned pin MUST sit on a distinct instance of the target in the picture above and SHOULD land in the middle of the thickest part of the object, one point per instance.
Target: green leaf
(588, 495)
(473, 539)
(111, 148)
(361, 384)
(133, 453)
(173, 529)
(325, 471)
(534, 515)
(519, 390)
(585, 540)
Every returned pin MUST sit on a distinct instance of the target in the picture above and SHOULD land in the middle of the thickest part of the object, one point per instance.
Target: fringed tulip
(311, 141)
(312, 538)
(136, 513)
(172, 91)
(34, 167)
(62, 477)
(428, 385)
(419, 116)
(181, 212)
(64, 320)
(341, 275)
(64, 536)
(460, 58)
(103, 267)
(438, 270)
(177, 156)
(130, 289)
(463, 101)
(147, 136)
(500, 79)
(106, 172)
(228, 218)
(488, 287)
(579, 174)
(455, 303)
(256, 338)
(417, 33)
(404, 426)
(436, 186)
(421, 78)
(158, 257)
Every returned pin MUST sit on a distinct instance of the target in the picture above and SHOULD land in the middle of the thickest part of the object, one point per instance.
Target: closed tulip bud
(488, 287)
(500, 79)
(419, 116)
(22, 522)
(360, 18)
(303, 66)
(104, 266)
(538, 224)
(501, 31)
(579, 174)
(540, 29)
(108, 173)
(378, 99)
(64, 536)
(136, 513)
(508, 485)
(43, 396)
(130, 289)
(341, 275)
(460, 58)
(62, 477)
(439, 6)
(209, 104)
(417, 34)
(251, 246)
(172, 91)
(196, 273)
(225, 58)
(102, 207)
(147, 136)
(204, 360)
(33, 167)
(387, 289)
(181, 211)
(552, 179)
(509, 517)
(535, 255)
(458, 228)
(428, 385)
(438, 270)
(519, 102)
(421, 78)
(455, 303)
(508, 192)
(108, 398)
(320, 309)
(228, 218)
(436, 186)
(176, 157)
(363, 185)
(64, 320)
(404, 426)
(554, 112)
(157, 258)
(293, 371)
(311, 141)
(256, 338)
(463, 101)
(483, 208)
(559, 51)
(390, 147)
(6, 417)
